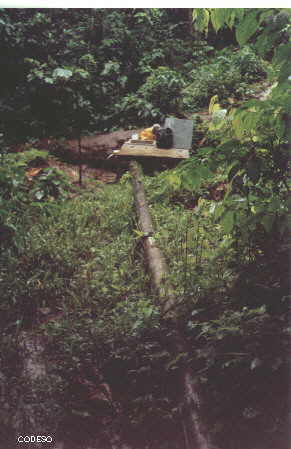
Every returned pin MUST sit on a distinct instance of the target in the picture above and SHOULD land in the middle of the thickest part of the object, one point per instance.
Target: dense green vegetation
(71, 260)
(92, 70)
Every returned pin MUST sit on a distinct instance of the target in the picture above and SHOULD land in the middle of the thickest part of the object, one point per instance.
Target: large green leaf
(227, 221)
(201, 18)
(265, 14)
(279, 126)
(265, 42)
(240, 12)
(231, 17)
(219, 17)
(174, 180)
(191, 180)
(205, 172)
(282, 54)
(247, 27)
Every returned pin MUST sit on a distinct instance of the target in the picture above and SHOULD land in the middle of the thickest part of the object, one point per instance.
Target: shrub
(159, 96)
(136, 111)
(227, 76)
(163, 89)
(249, 65)
(21, 186)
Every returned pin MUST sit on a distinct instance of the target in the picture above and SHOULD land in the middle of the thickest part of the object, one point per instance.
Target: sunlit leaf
(213, 101)
(62, 73)
(201, 18)
(39, 194)
(256, 362)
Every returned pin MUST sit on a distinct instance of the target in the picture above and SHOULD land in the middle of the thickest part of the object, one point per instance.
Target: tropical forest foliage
(72, 265)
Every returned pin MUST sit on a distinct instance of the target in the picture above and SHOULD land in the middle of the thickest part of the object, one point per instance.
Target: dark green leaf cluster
(229, 74)
(69, 70)
(20, 192)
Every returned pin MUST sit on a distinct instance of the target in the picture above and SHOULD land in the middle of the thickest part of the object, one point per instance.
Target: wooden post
(80, 159)
(196, 436)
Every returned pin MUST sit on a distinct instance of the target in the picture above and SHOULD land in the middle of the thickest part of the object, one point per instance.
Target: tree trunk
(196, 435)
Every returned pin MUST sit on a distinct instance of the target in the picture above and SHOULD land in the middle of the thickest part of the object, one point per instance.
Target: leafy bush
(228, 75)
(250, 66)
(23, 182)
(163, 88)
(135, 111)
(158, 97)
(51, 183)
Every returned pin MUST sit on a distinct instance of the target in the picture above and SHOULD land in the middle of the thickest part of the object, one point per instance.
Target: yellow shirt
(147, 134)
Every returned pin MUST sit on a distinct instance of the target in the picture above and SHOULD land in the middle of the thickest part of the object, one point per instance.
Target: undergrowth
(75, 271)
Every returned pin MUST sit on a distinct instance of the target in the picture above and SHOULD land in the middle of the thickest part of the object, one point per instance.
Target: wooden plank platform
(131, 149)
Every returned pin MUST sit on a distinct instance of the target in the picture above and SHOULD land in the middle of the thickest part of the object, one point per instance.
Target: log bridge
(196, 434)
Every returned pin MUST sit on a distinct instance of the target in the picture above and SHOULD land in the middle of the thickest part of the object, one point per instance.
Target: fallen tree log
(37, 410)
(195, 432)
